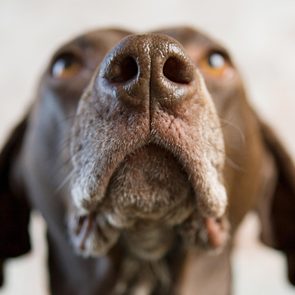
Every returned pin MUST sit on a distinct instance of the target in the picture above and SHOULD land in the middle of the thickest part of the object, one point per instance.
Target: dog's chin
(148, 195)
(149, 184)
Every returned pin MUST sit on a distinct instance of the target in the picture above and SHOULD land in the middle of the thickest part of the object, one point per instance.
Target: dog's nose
(147, 69)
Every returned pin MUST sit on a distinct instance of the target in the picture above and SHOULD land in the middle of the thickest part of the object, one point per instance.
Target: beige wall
(261, 36)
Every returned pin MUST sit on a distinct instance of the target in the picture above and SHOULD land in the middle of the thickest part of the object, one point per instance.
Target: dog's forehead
(104, 38)
(107, 38)
(100, 40)
(187, 35)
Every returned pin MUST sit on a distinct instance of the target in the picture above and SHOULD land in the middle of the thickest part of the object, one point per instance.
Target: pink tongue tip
(217, 230)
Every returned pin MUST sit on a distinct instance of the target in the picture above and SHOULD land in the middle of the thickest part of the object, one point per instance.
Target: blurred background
(261, 38)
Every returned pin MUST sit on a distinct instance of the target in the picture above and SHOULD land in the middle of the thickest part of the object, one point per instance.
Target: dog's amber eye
(215, 63)
(65, 66)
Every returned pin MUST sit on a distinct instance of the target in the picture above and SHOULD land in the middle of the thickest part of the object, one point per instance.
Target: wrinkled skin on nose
(147, 152)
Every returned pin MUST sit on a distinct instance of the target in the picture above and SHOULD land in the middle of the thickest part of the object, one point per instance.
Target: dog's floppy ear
(277, 209)
(14, 210)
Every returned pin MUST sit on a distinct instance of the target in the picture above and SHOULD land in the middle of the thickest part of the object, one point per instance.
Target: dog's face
(146, 141)
(146, 148)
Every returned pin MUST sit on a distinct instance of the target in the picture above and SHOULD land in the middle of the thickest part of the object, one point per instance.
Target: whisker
(64, 182)
(228, 160)
(233, 164)
(238, 129)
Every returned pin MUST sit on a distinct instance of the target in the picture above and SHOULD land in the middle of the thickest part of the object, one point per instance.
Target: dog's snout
(147, 69)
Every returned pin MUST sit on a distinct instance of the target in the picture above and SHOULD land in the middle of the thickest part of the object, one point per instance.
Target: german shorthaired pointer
(143, 156)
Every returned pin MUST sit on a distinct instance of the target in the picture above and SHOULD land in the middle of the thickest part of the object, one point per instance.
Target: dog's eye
(216, 60)
(215, 63)
(65, 66)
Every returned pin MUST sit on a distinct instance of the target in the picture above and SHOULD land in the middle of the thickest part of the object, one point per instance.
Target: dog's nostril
(177, 71)
(124, 70)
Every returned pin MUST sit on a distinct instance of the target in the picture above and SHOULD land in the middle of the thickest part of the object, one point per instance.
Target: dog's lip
(94, 206)
(93, 200)
(91, 204)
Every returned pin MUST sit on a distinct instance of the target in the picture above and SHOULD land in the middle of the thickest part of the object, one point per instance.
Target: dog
(143, 156)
